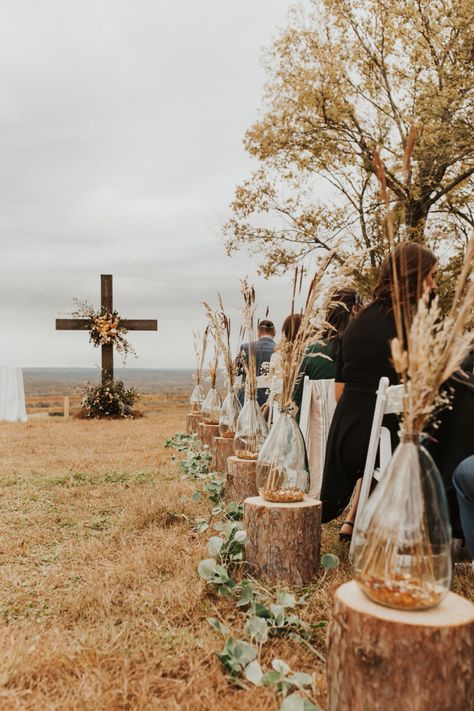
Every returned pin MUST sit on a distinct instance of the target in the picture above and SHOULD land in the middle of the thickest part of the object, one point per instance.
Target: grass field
(101, 606)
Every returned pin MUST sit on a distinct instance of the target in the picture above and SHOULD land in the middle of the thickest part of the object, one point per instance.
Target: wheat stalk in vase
(200, 347)
(249, 362)
(220, 325)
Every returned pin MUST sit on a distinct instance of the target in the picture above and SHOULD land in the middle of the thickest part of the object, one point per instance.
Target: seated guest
(452, 441)
(363, 358)
(463, 480)
(263, 349)
(320, 361)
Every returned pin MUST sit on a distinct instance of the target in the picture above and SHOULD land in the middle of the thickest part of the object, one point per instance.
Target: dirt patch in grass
(101, 606)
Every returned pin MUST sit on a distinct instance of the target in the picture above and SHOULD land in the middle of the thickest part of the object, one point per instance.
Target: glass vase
(251, 431)
(402, 554)
(211, 408)
(229, 415)
(197, 398)
(282, 467)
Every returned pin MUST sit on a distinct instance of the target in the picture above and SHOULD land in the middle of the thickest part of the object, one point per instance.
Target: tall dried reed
(200, 347)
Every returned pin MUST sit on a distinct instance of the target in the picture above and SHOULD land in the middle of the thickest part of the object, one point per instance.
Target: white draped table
(12, 394)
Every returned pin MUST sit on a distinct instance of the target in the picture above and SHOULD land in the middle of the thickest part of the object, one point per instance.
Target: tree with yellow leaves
(345, 79)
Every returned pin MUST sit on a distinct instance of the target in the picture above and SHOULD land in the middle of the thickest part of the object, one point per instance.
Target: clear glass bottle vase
(230, 412)
(251, 431)
(282, 467)
(197, 398)
(402, 554)
(211, 407)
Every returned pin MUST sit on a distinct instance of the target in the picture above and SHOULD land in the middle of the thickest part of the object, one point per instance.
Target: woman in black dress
(363, 358)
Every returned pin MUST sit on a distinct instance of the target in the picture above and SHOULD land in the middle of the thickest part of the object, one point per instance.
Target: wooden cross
(84, 324)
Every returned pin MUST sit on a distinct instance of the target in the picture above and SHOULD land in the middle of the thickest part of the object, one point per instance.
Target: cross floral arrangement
(105, 328)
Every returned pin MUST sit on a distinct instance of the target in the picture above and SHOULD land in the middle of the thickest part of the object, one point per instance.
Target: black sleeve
(339, 364)
(298, 391)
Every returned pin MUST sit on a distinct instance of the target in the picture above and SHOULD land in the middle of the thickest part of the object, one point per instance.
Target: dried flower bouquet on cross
(105, 328)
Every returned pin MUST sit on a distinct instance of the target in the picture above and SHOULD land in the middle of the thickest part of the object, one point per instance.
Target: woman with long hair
(363, 358)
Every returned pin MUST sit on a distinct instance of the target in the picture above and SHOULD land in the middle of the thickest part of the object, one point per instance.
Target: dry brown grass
(101, 606)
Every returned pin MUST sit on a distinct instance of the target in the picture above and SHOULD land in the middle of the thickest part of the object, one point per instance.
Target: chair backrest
(317, 408)
(389, 401)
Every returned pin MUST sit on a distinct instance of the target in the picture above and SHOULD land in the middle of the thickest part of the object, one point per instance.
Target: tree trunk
(283, 540)
(223, 449)
(241, 479)
(388, 660)
(192, 421)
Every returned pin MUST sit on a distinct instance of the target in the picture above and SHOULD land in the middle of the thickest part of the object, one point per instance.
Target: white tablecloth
(12, 394)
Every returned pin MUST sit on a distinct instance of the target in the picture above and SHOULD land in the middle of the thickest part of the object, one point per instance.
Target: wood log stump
(283, 540)
(241, 479)
(192, 421)
(223, 449)
(206, 434)
(384, 659)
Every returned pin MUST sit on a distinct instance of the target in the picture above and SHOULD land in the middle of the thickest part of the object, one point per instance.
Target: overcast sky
(121, 142)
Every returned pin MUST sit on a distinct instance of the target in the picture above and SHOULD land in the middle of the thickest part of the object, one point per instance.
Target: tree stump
(223, 449)
(283, 540)
(241, 479)
(206, 434)
(384, 659)
(192, 421)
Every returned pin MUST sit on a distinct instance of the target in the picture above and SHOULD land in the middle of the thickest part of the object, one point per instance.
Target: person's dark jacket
(264, 348)
(453, 440)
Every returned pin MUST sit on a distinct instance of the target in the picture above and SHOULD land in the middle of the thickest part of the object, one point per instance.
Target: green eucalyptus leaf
(286, 599)
(253, 673)
(257, 629)
(329, 561)
(218, 626)
(270, 678)
(246, 594)
(240, 536)
(214, 546)
(207, 568)
(301, 679)
(280, 666)
(278, 613)
(295, 702)
(261, 611)
(196, 496)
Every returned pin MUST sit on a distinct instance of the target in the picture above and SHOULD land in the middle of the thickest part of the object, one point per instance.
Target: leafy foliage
(110, 400)
(265, 615)
(343, 79)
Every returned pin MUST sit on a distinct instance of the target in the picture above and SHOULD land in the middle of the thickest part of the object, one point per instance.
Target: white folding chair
(317, 408)
(389, 401)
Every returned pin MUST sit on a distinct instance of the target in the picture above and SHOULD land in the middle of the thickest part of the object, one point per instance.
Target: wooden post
(241, 479)
(192, 421)
(223, 449)
(106, 302)
(66, 407)
(283, 540)
(383, 659)
(206, 434)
